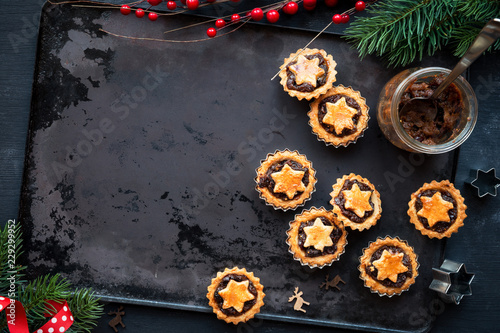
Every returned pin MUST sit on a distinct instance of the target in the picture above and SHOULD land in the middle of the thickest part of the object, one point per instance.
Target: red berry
(360, 5)
(220, 23)
(211, 32)
(331, 3)
(345, 18)
(291, 8)
(171, 5)
(154, 2)
(337, 19)
(235, 18)
(192, 4)
(272, 16)
(257, 14)
(309, 4)
(125, 10)
(152, 16)
(139, 13)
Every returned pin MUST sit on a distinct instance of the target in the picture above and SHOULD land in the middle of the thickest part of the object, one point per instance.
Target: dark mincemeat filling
(223, 284)
(340, 201)
(268, 182)
(449, 108)
(310, 251)
(333, 99)
(402, 277)
(306, 87)
(452, 213)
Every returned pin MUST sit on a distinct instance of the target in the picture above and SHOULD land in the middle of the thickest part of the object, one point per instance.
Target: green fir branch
(83, 304)
(402, 31)
(86, 310)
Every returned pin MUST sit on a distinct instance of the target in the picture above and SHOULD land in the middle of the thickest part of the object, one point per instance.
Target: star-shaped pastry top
(288, 181)
(236, 294)
(318, 235)
(389, 265)
(339, 115)
(306, 70)
(435, 209)
(358, 201)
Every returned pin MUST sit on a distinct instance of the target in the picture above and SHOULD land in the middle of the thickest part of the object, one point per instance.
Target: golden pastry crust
(319, 90)
(289, 180)
(359, 125)
(250, 313)
(374, 198)
(299, 253)
(366, 263)
(436, 230)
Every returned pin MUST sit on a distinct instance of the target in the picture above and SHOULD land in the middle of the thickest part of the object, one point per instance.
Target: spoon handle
(488, 35)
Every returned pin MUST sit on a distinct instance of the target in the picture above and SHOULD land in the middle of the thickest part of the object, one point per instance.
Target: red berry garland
(291, 8)
(309, 4)
(220, 23)
(192, 4)
(154, 2)
(211, 32)
(331, 3)
(139, 13)
(337, 18)
(171, 5)
(271, 13)
(272, 16)
(360, 5)
(235, 18)
(257, 14)
(125, 10)
(152, 16)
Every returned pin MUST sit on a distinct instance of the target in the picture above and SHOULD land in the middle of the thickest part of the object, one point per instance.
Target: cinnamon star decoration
(358, 201)
(435, 209)
(318, 235)
(288, 181)
(339, 115)
(236, 294)
(389, 265)
(307, 70)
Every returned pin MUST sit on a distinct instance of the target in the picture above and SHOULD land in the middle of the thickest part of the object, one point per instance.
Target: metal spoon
(488, 35)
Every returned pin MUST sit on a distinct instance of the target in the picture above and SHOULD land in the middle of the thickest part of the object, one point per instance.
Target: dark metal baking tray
(141, 158)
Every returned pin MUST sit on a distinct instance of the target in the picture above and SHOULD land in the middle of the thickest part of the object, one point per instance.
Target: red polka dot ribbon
(61, 320)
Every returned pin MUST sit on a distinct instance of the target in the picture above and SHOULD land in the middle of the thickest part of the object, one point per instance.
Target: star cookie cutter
(452, 281)
(486, 182)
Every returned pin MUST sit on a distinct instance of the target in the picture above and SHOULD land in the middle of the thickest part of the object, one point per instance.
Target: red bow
(61, 320)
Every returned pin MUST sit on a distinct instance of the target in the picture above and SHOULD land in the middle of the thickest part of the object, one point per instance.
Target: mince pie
(388, 266)
(437, 209)
(235, 295)
(285, 179)
(339, 117)
(356, 202)
(308, 73)
(316, 237)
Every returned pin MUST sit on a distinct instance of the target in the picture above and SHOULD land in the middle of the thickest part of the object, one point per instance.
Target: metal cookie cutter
(452, 281)
(486, 182)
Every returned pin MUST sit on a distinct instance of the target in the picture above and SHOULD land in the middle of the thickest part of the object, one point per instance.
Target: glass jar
(388, 111)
